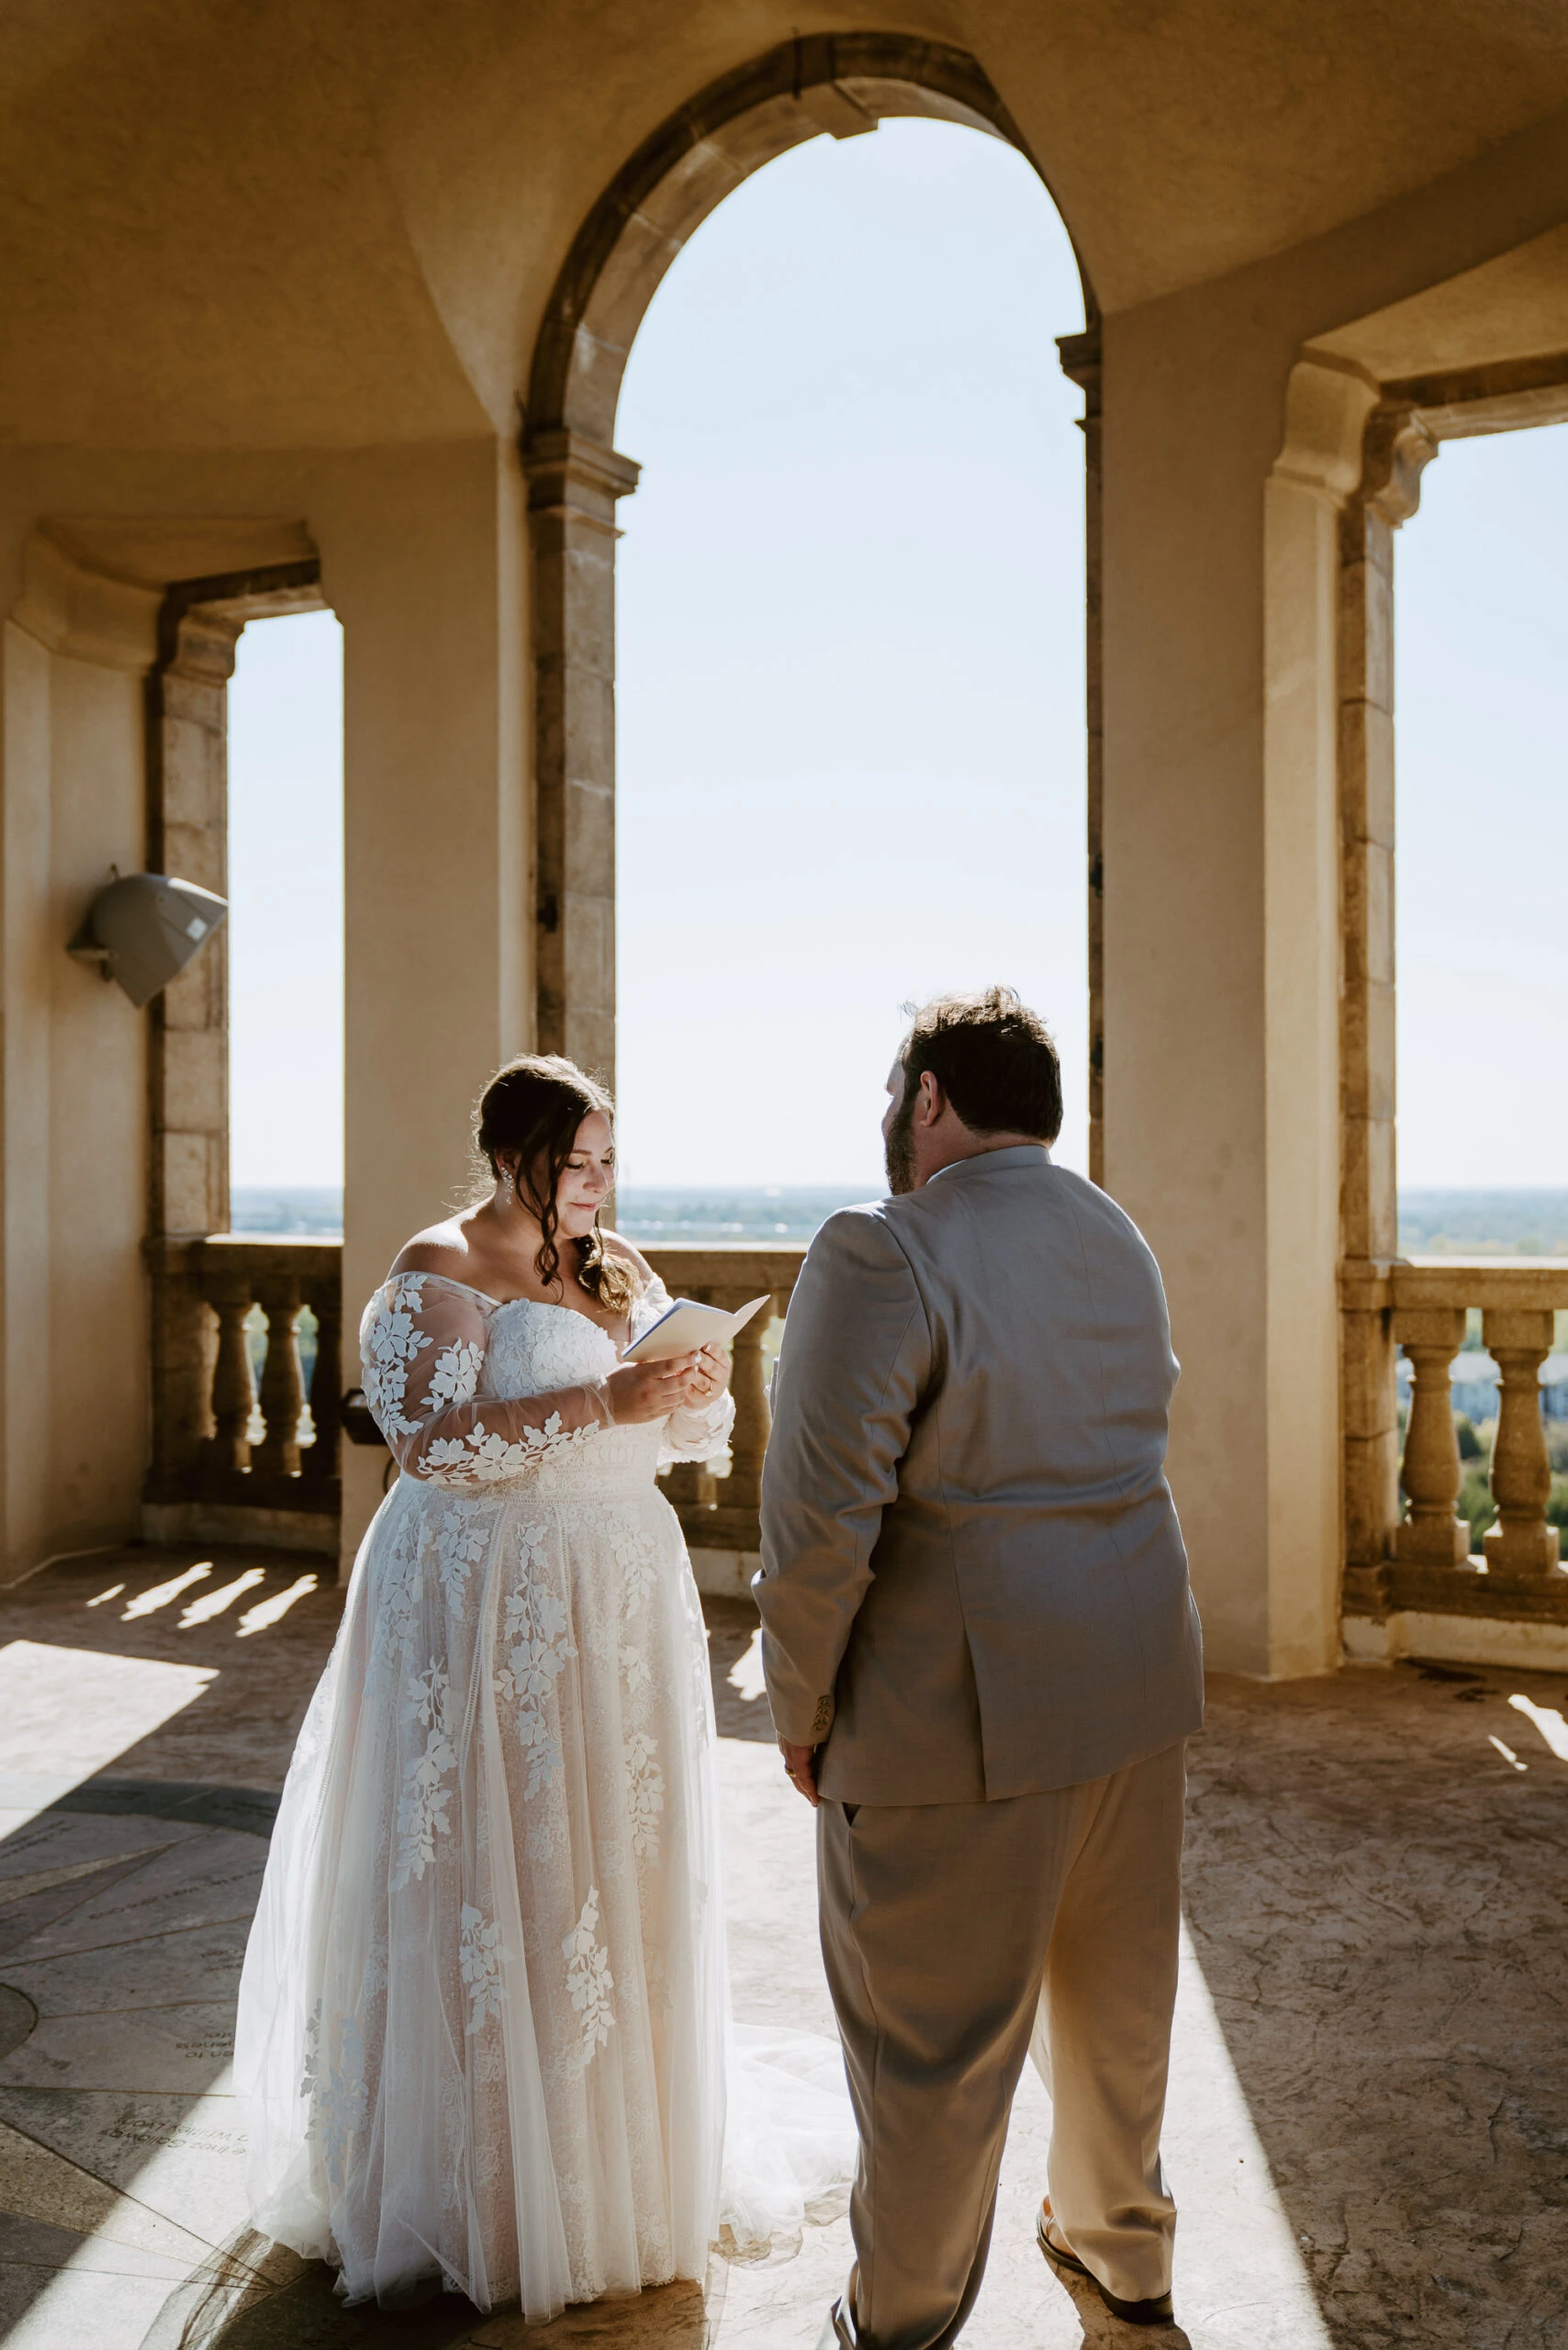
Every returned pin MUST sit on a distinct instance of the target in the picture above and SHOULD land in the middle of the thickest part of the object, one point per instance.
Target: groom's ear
(932, 1102)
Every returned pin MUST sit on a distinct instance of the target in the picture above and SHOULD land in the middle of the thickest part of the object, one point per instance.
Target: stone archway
(843, 84)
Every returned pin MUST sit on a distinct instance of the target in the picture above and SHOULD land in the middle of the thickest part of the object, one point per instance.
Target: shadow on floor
(1377, 1888)
(735, 1663)
(148, 1701)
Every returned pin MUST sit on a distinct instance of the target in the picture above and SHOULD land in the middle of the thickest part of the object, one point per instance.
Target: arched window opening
(286, 962)
(1482, 700)
(286, 926)
(1482, 696)
(850, 662)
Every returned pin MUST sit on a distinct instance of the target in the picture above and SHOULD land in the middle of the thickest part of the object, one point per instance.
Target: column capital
(569, 474)
(1080, 357)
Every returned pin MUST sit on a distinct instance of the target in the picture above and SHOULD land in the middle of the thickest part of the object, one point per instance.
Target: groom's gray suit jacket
(973, 1583)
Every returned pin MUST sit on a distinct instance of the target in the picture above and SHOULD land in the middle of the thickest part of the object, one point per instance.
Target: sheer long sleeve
(422, 1347)
(697, 1432)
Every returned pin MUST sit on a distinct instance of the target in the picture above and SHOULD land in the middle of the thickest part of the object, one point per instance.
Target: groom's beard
(899, 1150)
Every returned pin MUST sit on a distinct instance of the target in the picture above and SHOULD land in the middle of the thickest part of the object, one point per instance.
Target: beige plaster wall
(74, 1406)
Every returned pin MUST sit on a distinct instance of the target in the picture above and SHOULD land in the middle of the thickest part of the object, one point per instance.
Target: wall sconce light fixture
(142, 930)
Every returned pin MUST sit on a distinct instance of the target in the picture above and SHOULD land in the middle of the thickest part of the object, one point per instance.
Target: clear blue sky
(1480, 582)
(851, 740)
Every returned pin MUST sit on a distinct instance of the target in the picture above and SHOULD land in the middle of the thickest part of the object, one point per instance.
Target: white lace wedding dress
(483, 2021)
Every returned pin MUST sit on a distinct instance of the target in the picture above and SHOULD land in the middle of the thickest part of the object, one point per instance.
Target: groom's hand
(800, 1765)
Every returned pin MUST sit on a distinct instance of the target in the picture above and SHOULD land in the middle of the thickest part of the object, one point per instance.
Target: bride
(483, 2028)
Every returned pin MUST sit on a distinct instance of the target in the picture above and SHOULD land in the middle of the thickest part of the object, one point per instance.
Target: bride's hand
(648, 1391)
(708, 1378)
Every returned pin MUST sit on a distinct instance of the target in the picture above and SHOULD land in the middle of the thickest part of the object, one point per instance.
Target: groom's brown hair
(992, 1057)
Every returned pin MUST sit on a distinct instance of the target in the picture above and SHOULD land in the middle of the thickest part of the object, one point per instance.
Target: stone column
(573, 486)
(187, 834)
(1081, 360)
(422, 560)
(1221, 956)
(1394, 451)
(199, 625)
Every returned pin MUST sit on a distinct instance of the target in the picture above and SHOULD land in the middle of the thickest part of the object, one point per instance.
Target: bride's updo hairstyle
(533, 1106)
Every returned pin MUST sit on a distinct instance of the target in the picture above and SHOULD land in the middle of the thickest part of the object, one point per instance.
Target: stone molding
(1403, 431)
(199, 622)
(85, 614)
(1082, 358)
(840, 84)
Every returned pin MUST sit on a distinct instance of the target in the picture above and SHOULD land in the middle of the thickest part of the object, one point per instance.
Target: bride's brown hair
(534, 1106)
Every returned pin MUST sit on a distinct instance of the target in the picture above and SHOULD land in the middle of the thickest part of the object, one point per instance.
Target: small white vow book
(689, 1325)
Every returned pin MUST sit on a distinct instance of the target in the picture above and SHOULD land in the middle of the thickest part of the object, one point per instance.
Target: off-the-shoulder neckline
(547, 1305)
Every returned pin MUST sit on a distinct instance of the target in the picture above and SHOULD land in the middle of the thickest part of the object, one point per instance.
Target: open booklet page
(689, 1325)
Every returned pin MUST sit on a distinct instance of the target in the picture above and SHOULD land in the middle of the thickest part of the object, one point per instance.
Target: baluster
(780, 1306)
(1521, 1543)
(233, 1389)
(319, 1462)
(283, 1392)
(742, 1489)
(1431, 1337)
(689, 1485)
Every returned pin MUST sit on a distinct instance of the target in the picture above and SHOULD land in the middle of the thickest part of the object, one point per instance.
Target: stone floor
(1369, 2113)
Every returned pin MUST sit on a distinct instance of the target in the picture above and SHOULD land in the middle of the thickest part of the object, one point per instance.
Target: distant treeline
(1431, 1224)
(1483, 1224)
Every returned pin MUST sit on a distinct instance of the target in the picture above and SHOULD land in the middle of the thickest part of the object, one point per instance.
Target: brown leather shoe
(1152, 2312)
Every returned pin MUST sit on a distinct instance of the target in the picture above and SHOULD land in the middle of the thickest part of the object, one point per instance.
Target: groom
(983, 1660)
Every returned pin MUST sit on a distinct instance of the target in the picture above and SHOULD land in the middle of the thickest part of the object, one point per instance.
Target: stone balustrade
(228, 1454)
(720, 1514)
(1418, 1557)
(232, 1456)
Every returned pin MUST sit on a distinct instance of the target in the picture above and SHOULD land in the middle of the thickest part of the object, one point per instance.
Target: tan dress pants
(955, 1933)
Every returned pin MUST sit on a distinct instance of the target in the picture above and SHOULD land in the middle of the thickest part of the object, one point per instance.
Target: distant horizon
(1454, 1216)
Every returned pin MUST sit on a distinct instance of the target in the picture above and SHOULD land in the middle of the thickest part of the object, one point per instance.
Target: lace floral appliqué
(589, 1979)
(389, 1342)
(478, 1458)
(421, 1813)
(636, 1557)
(459, 1544)
(539, 1642)
(645, 1794)
(479, 1962)
(338, 2095)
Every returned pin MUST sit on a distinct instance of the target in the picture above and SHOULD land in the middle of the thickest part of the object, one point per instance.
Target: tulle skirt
(483, 2032)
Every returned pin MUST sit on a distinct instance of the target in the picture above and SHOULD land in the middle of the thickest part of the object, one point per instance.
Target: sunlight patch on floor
(1548, 1720)
(746, 1674)
(213, 1603)
(267, 1612)
(65, 1714)
(1241, 2281)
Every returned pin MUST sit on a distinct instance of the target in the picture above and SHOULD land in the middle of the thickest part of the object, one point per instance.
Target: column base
(1532, 1551)
(1432, 1541)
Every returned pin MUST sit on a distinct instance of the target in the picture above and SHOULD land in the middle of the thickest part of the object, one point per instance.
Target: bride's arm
(422, 1346)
